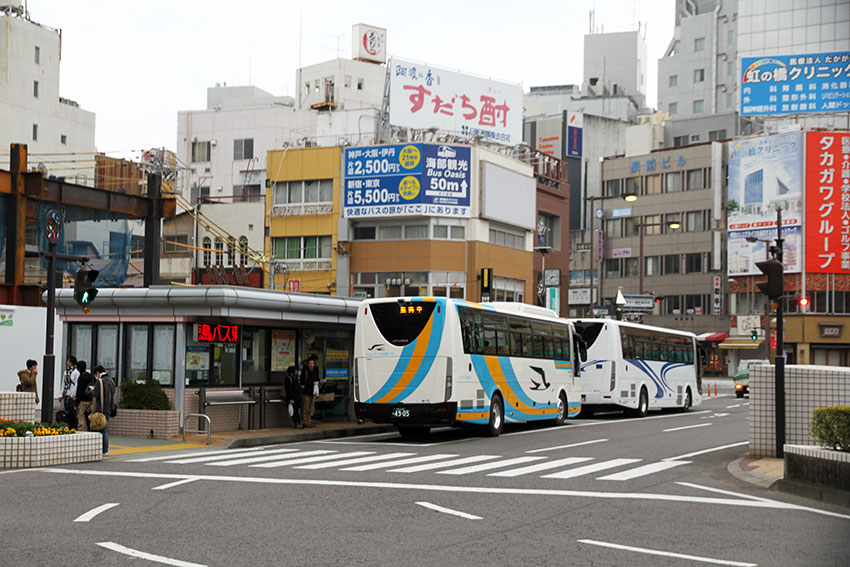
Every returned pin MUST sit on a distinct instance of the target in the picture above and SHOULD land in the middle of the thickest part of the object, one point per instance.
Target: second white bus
(638, 367)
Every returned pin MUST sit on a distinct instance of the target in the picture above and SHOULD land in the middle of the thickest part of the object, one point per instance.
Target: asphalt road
(611, 490)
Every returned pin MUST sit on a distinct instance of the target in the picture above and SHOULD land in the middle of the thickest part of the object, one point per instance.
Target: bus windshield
(401, 322)
(589, 331)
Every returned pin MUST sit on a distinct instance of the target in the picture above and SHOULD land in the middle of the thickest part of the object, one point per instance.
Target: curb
(735, 470)
(815, 492)
(308, 436)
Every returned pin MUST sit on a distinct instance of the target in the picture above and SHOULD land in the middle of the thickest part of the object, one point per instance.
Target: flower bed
(24, 429)
(49, 450)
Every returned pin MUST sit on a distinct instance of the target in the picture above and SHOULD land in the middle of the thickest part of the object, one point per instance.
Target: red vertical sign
(827, 202)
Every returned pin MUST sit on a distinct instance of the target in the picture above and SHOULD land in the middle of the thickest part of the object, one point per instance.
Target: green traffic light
(85, 298)
(754, 335)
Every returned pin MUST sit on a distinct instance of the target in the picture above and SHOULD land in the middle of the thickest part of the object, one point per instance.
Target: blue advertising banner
(573, 141)
(407, 180)
(794, 84)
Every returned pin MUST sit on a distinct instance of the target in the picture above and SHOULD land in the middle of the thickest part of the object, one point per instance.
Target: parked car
(742, 378)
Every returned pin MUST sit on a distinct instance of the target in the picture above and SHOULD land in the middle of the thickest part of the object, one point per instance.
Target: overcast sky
(136, 64)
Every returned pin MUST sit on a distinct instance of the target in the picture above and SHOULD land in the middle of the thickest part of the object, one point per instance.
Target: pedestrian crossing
(273, 457)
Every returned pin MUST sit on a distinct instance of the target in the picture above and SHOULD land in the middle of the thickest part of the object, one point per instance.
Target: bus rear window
(401, 322)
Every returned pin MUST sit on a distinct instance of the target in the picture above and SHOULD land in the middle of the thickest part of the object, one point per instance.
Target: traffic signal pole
(779, 361)
(49, 364)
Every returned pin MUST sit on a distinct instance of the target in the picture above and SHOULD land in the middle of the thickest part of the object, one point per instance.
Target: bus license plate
(400, 412)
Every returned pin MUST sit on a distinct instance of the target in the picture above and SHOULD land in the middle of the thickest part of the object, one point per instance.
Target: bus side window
(502, 343)
(516, 344)
(527, 349)
(489, 341)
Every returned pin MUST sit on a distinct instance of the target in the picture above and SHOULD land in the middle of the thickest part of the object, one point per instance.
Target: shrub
(831, 427)
(147, 395)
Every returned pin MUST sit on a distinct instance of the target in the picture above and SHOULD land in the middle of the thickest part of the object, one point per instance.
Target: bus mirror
(581, 347)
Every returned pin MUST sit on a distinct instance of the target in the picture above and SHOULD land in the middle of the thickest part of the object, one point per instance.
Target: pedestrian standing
(309, 389)
(69, 386)
(84, 396)
(29, 378)
(292, 395)
(103, 400)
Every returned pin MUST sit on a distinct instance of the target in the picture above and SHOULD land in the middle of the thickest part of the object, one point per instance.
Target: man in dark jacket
(309, 388)
(292, 395)
(84, 396)
(103, 384)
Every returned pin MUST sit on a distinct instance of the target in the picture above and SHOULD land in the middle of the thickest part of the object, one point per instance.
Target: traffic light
(84, 290)
(659, 300)
(774, 287)
(754, 335)
(803, 302)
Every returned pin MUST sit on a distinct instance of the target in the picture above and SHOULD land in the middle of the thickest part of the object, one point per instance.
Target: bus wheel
(497, 416)
(413, 431)
(643, 404)
(688, 401)
(562, 410)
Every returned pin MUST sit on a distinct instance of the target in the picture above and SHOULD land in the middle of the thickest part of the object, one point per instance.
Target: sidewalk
(245, 437)
(764, 472)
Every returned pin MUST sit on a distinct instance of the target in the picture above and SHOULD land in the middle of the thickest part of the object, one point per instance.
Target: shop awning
(741, 342)
(712, 337)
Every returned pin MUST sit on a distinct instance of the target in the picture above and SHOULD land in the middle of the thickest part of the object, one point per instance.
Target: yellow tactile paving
(126, 450)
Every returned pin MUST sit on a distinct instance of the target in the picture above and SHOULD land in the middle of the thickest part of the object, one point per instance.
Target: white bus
(638, 367)
(426, 361)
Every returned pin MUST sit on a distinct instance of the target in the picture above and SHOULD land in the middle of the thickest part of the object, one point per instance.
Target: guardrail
(199, 430)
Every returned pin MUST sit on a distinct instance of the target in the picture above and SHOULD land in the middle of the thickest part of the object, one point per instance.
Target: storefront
(219, 337)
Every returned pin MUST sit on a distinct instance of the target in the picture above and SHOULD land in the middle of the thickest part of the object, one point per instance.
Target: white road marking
(687, 427)
(288, 463)
(588, 469)
(592, 423)
(567, 446)
(445, 464)
(490, 466)
(264, 458)
(704, 451)
(733, 406)
(542, 467)
(409, 461)
(448, 511)
(644, 470)
(767, 504)
(95, 511)
(720, 491)
(667, 553)
(227, 456)
(149, 556)
(195, 454)
(355, 461)
(175, 483)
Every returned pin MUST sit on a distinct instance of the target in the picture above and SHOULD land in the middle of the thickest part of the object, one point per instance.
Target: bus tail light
(356, 382)
(613, 375)
(448, 378)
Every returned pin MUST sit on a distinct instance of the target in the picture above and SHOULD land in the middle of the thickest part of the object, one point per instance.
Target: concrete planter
(24, 452)
(17, 406)
(153, 424)
(818, 473)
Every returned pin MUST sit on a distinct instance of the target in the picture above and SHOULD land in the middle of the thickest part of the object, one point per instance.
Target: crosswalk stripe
(264, 458)
(286, 463)
(490, 466)
(542, 467)
(400, 462)
(228, 456)
(588, 469)
(644, 470)
(355, 461)
(445, 464)
(194, 454)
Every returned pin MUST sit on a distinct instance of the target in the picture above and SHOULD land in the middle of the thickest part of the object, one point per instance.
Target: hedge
(831, 427)
(144, 395)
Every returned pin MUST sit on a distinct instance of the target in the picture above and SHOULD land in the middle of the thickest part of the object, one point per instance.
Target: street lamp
(541, 286)
(672, 225)
(629, 198)
(767, 244)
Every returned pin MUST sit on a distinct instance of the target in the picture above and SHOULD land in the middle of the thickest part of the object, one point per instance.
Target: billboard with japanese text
(765, 173)
(423, 96)
(794, 84)
(407, 180)
(828, 202)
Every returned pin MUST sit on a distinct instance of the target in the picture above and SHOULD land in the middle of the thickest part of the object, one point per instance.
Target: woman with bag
(292, 395)
(103, 395)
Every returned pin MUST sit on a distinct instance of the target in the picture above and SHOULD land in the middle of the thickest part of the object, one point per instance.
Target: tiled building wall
(226, 417)
(806, 388)
(145, 423)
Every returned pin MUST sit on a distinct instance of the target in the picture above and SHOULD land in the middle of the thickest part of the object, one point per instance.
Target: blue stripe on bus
(511, 379)
(646, 369)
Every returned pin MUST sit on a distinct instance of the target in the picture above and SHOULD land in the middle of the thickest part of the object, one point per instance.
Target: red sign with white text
(827, 202)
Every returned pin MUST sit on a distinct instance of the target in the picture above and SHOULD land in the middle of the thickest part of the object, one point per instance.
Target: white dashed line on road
(667, 553)
(448, 511)
(95, 511)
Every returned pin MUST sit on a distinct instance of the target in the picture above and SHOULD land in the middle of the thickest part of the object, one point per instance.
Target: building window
(35, 132)
(730, 37)
(35, 89)
(219, 255)
(63, 139)
(416, 232)
(652, 224)
(730, 101)
(633, 186)
(307, 191)
(253, 192)
(730, 68)
(200, 151)
(613, 228)
(631, 226)
(317, 247)
(674, 304)
(694, 304)
(243, 149)
(699, 106)
(671, 218)
(204, 193)
(694, 221)
(674, 81)
(672, 264)
(699, 44)
(679, 141)
(693, 263)
(389, 232)
(612, 187)
(37, 55)
(359, 84)
(716, 135)
(699, 75)
(302, 247)
(173, 243)
(207, 254)
(674, 182)
(243, 250)
(653, 184)
(504, 289)
(673, 107)
(501, 237)
(458, 233)
(653, 265)
(694, 179)
(630, 267)
(231, 254)
(694, 138)
(612, 268)
(548, 230)
(364, 233)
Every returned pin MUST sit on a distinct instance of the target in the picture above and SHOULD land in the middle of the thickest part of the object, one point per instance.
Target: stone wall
(155, 424)
(24, 452)
(806, 388)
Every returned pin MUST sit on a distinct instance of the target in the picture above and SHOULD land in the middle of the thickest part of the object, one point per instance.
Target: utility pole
(54, 225)
(779, 361)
